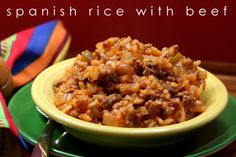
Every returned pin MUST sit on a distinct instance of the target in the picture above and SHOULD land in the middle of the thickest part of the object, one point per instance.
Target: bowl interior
(214, 96)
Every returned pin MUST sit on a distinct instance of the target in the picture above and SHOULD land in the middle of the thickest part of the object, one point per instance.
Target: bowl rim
(82, 125)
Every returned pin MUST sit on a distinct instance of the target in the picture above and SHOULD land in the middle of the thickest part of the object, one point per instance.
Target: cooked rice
(126, 83)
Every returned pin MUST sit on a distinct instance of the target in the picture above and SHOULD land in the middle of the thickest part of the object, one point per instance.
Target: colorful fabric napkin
(27, 53)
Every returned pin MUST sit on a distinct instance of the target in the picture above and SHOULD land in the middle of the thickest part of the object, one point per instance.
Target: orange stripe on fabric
(1, 122)
(43, 61)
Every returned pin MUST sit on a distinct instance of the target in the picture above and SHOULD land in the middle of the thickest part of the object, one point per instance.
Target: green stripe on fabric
(9, 45)
(2, 117)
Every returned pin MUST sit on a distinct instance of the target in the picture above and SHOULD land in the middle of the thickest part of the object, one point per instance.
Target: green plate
(203, 141)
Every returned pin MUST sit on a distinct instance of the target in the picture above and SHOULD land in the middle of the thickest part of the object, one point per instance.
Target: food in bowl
(126, 83)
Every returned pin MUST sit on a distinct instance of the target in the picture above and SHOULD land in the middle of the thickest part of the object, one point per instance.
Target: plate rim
(56, 151)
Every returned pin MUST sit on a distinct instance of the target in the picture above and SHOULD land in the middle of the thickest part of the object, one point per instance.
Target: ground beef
(127, 83)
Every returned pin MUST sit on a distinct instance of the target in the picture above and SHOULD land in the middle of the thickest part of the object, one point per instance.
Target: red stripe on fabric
(19, 45)
(11, 123)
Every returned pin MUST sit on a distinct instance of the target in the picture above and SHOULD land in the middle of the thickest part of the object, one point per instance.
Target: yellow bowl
(215, 97)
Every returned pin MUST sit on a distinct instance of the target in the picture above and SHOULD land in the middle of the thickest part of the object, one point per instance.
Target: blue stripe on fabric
(36, 46)
(23, 143)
